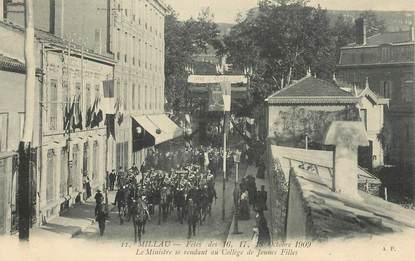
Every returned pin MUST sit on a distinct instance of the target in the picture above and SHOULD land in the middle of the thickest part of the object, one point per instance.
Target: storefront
(152, 130)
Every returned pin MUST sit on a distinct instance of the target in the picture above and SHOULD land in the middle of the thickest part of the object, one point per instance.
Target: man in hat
(112, 178)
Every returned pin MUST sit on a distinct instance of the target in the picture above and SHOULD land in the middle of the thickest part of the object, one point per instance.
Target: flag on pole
(119, 115)
(226, 94)
(220, 96)
(96, 113)
(77, 114)
(68, 114)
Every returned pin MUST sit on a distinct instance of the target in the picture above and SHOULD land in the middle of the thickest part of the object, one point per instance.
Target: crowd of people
(180, 183)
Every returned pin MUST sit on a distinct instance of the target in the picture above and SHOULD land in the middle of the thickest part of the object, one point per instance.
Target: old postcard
(205, 129)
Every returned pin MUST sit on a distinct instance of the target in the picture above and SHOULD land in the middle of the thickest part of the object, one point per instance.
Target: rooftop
(392, 38)
(312, 90)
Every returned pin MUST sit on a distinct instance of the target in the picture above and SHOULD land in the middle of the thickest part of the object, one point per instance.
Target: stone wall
(278, 190)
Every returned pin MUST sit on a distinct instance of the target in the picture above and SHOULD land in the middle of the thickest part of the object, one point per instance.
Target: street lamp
(236, 193)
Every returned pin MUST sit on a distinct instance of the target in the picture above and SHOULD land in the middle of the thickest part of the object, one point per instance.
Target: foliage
(184, 40)
(281, 41)
(374, 25)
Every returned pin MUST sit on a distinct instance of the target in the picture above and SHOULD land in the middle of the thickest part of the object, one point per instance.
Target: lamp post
(236, 193)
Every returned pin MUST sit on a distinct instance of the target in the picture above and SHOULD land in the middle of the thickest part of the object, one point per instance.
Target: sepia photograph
(200, 129)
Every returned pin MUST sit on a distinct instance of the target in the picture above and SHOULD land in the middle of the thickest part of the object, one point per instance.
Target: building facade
(388, 61)
(70, 136)
(131, 31)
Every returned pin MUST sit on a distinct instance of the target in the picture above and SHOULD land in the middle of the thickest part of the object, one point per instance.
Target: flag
(220, 96)
(215, 98)
(226, 94)
(68, 114)
(119, 116)
(77, 114)
(88, 117)
(96, 113)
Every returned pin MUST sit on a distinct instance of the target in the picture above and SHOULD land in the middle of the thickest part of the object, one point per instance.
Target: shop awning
(166, 125)
(159, 126)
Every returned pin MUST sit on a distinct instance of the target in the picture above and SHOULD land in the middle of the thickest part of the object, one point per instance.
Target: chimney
(58, 18)
(346, 136)
(360, 31)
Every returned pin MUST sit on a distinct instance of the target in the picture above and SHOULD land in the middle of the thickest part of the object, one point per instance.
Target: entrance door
(365, 156)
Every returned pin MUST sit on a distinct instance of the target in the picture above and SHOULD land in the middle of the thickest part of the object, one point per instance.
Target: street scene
(249, 128)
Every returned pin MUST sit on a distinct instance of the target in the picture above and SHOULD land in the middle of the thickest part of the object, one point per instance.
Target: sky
(226, 11)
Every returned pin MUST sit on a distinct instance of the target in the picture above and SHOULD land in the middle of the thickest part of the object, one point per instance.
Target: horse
(140, 217)
(120, 201)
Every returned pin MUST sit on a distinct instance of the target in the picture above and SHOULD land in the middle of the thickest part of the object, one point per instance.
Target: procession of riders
(186, 192)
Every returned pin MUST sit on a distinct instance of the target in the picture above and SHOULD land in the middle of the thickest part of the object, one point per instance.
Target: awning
(159, 126)
(166, 125)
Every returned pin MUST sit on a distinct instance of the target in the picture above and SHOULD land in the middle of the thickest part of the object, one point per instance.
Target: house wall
(401, 113)
(287, 125)
(374, 124)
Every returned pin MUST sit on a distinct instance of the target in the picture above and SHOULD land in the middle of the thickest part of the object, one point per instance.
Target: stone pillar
(346, 136)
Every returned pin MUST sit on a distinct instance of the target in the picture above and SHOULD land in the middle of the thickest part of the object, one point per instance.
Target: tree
(184, 40)
(374, 25)
(343, 33)
(282, 41)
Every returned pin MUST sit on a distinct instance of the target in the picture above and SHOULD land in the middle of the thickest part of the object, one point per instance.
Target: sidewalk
(72, 223)
(245, 227)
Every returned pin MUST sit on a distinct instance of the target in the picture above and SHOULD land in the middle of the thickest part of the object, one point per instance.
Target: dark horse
(140, 217)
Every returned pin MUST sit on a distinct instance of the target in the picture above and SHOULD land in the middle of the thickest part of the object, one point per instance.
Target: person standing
(112, 178)
(261, 203)
(120, 177)
(87, 187)
(264, 238)
(101, 215)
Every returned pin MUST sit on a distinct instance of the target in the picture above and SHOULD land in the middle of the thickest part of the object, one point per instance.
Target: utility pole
(24, 190)
(225, 123)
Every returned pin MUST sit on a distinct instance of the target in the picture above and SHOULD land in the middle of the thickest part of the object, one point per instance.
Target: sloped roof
(386, 38)
(312, 90)
(389, 38)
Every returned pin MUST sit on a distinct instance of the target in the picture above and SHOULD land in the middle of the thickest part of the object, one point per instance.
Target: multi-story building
(132, 31)
(388, 61)
(70, 135)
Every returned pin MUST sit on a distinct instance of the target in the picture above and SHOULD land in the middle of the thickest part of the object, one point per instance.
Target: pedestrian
(99, 198)
(261, 203)
(264, 238)
(120, 177)
(87, 186)
(101, 215)
(112, 178)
